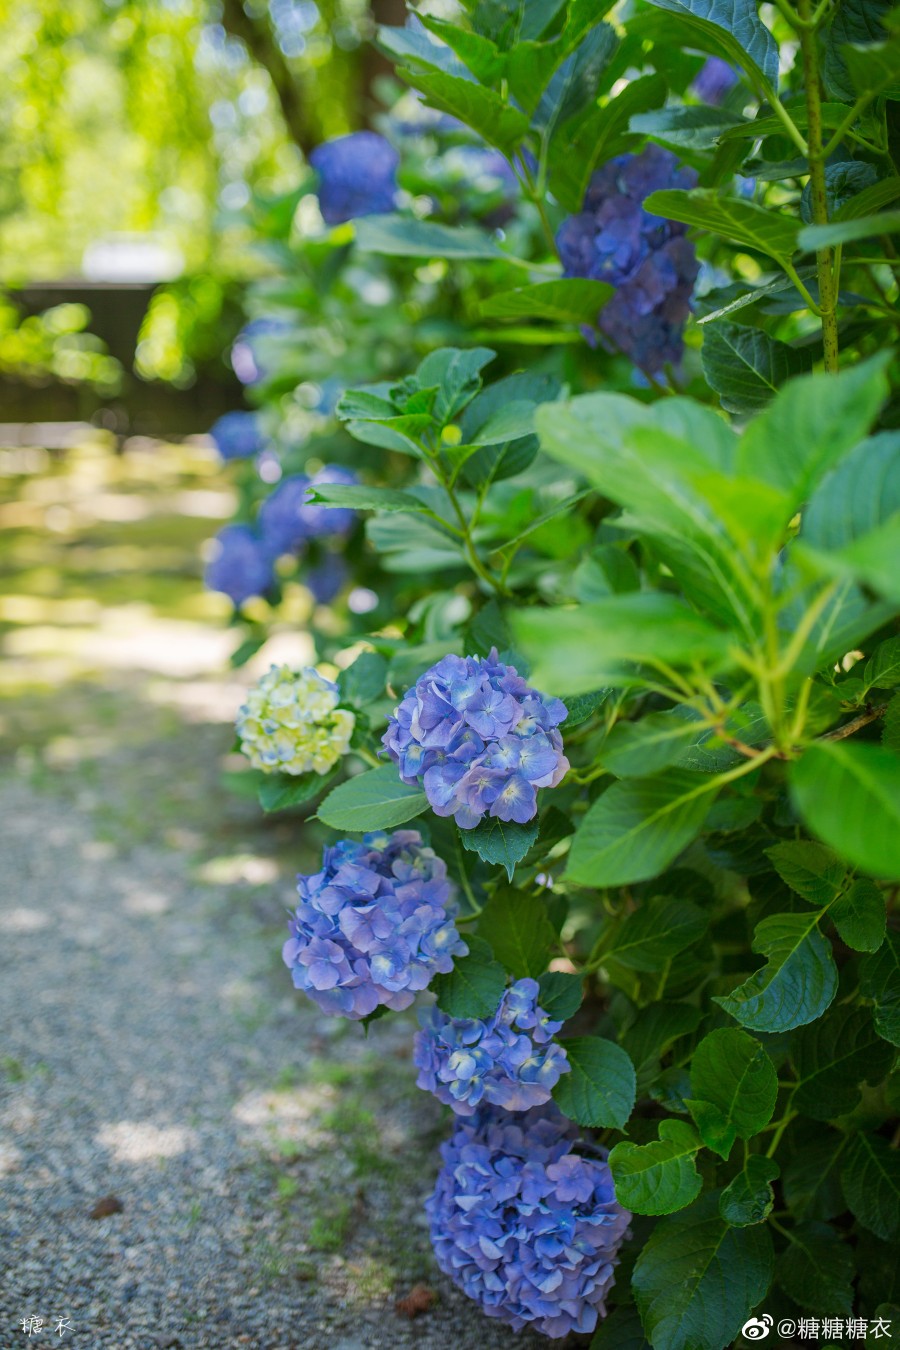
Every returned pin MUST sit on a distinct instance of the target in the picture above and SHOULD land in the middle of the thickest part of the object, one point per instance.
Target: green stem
(779, 1131)
(855, 112)
(792, 273)
(817, 156)
(476, 909)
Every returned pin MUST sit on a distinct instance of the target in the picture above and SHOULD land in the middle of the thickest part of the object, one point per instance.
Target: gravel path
(270, 1172)
(268, 1165)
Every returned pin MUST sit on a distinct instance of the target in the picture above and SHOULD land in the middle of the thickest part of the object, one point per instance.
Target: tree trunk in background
(390, 14)
(260, 42)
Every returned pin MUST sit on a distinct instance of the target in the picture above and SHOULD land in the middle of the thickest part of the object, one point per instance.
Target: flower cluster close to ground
(373, 926)
(291, 723)
(526, 1226)
(648, 259)
(479, 739)
(509, 1060)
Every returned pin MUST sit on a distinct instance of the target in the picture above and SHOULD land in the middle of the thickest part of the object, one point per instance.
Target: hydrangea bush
(612, 546)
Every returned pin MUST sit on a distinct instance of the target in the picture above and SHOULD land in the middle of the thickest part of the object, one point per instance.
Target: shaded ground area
(270, 1163)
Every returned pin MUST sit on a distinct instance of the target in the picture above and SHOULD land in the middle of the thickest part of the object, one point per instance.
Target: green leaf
(576, 82)
(484, 110)
(583, 706)
(364, 681)
(366, 498)
(880, 981)
(620, 1330)
(474, 986)
(697, 1278)
(797, 983)
(517, 928)
(635, 749)
(849, 795)
(509, 423)
(405, 237)
(854, 21)
(456, 372)
(571, 651)
(653, 1031)
(816, 1269)
(731, 1071)
(638, 827)
(874, 67)
(278, 791)
(743, 222)
(600, 1089)
(843, 181)
(813, 237)
(375, 800)
(748, 1197)
(659, 1177)
(874, 560)
(560, 994)
(596, 136)
(883, 667)
(860, 493)
(575, 300)
(832, 1057)
(812, 1183)
(779, 287)
(500, 841)
(809, 869)
(660, 929)
(482, 56)
(607, 570)
(871, 1180)
(737, 27)
(692, 126)
(890, 733)
(859, 916)
(746, 367)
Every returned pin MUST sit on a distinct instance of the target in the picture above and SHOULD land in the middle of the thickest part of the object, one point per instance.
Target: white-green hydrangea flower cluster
(291, 723)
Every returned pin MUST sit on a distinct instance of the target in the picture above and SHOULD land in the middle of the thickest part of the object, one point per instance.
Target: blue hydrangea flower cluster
(357, 176)
(240, 566)
(715, 81)
(524, 1225)
(288, 520)
(237, 435)
(648, 259)
(373, 926)
(509, 1060)
(479, 739)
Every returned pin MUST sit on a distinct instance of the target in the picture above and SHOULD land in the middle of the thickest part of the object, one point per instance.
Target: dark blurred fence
(148, 409)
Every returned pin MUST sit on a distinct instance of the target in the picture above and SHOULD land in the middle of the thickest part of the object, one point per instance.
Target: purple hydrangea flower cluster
(240, 566)
(374, 926)
(237, 435)
(288, 519)
(479, 739)
(524, 1225)
(715, 81)
(357, 176)
(509, 1060)
(647, 258)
